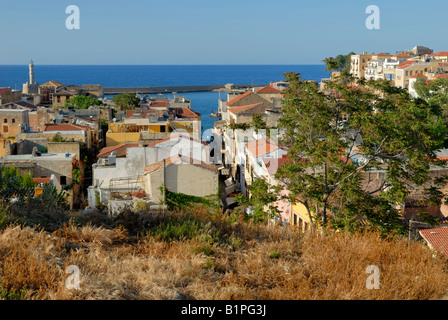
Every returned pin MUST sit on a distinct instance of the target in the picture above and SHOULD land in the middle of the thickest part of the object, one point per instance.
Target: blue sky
(213, 32)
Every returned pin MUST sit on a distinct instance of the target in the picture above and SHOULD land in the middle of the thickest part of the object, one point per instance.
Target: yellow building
(300, 217)
(130, 130)
(410, 68)
(359, 63)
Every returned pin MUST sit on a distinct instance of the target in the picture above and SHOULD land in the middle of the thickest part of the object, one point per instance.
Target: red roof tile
(405, 64)
(238, 98)
(120, 150)
(439, 54)
(402, 55)
(268, 89)
(418, 75)
(159, 104)
(441, 76)
(64, 127)
(186, 113)
(437, 239)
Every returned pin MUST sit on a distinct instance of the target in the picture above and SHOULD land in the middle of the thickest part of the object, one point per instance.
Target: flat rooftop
(42, 157)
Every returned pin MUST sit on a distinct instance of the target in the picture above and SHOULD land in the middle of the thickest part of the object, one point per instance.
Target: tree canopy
(342, 62)
(434, 92)
(83, 102)
(342, 139)
(126, 101)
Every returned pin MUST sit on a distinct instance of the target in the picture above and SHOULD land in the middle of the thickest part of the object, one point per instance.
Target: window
(13, 120)
(63, 180)
(5, 129)
(162, 128)
(5, 120)
(295, 219)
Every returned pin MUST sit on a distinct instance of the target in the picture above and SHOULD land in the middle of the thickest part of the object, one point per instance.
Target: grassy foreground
(195, 255)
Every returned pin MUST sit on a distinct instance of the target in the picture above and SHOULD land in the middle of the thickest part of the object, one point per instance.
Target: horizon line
(36, 65)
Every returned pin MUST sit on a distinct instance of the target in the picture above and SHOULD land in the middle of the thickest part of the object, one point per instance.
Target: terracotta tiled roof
(405, 64)
(402, 55)
(256, 108)
(120, 150)
(437, 239)
(268, 89)
(261, 147)
(178, 160)
(159, 104)
(238, 98)
(186, 113)
(418, 75)
(439, 54)
(64, 127)
(441, 76)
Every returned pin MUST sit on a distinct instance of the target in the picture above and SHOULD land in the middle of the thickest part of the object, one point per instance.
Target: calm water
(148, 76)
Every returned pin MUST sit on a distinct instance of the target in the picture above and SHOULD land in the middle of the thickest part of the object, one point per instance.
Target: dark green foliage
(258, 123)
(179, 201)
(386, 128)
(13, 184)
(20, 205)
(126, 101)
(178, 228)
(262, 199)
(83, 102)
(240, 126)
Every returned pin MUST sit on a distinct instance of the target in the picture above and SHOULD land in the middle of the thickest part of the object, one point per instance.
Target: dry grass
(219, 259)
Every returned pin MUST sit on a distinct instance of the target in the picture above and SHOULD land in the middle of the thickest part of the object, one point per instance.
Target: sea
(162, 75)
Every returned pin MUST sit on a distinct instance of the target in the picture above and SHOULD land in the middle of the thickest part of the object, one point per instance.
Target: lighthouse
(31, 66)
(31, 87)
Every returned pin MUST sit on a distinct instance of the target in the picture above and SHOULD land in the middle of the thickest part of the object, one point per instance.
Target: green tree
(126, 101)
(335, 140)
(258, 123)
(262, 198)
(14, 184)
(434, 92)
(83, 102)
(340, 63)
